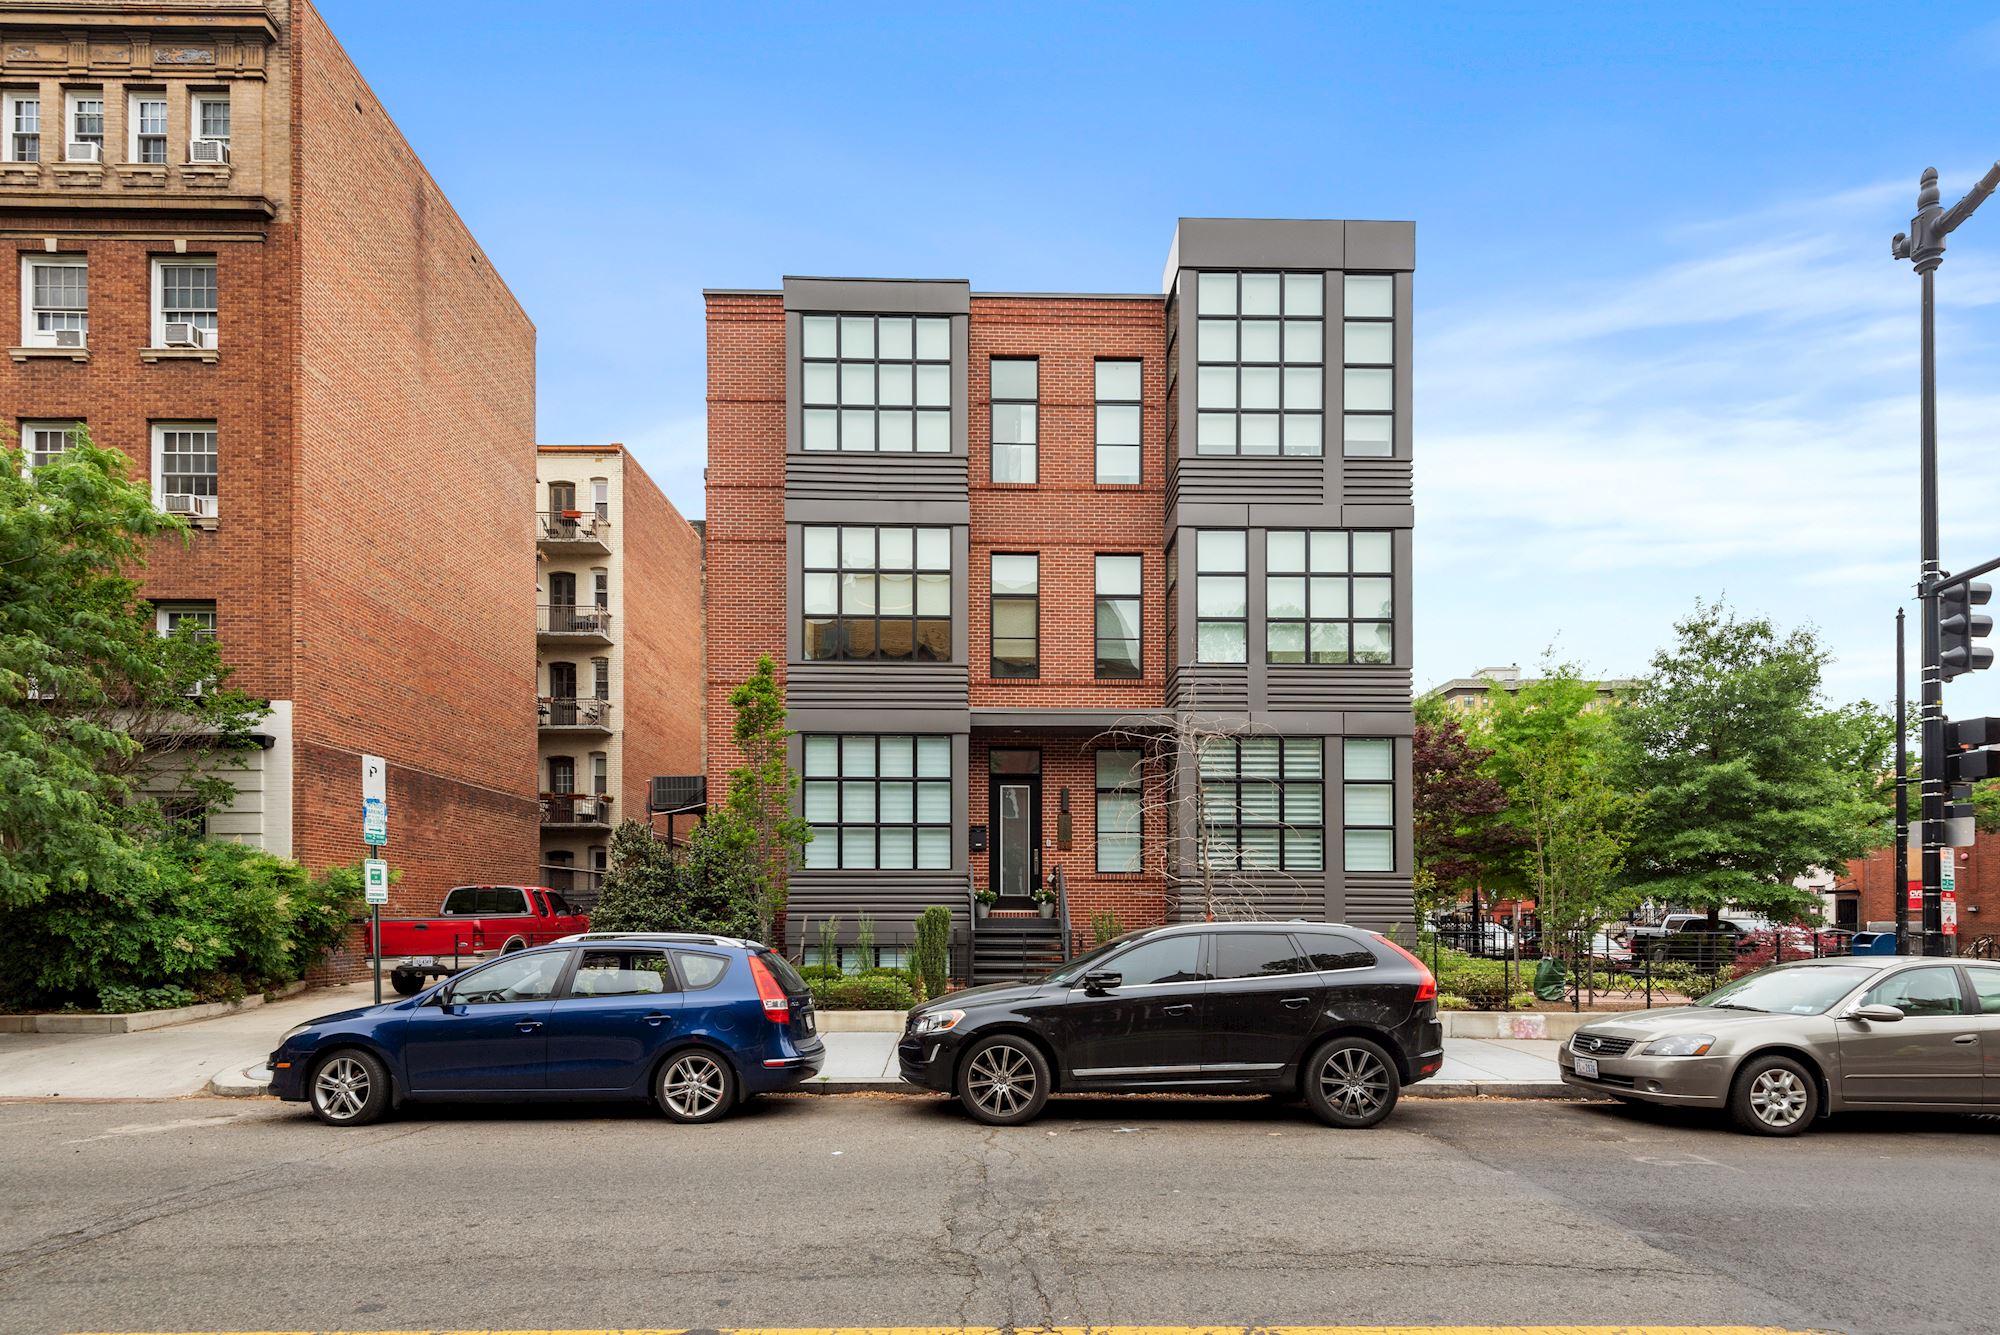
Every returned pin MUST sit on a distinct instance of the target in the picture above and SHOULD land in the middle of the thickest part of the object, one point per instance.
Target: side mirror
(1101, 980)
(1873, 1014)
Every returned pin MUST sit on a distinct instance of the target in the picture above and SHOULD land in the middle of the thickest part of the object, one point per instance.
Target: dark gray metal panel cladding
(880, 296)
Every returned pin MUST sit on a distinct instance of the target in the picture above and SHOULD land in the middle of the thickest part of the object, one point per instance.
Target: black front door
(1017, 837)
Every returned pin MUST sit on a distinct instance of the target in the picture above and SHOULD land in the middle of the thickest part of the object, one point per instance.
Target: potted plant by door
(983, 902)
(1045, 901)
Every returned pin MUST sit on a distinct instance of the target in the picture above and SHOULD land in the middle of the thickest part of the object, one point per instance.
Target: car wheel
(349, 1088)
(696, 1086)
(406, 984)
(1774, 1096)
(1005, 1081)
(1351, 1083)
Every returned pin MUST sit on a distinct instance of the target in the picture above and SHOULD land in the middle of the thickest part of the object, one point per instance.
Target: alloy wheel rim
(1002, 1080)
(1353, 1082)
(1778, 1097)
(341, 1088)
(693, 1086)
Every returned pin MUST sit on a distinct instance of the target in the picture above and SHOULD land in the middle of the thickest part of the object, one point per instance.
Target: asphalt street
(858, 1210)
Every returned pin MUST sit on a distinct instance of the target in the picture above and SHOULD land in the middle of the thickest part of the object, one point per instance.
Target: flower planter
(981, 910)
(1046, 910)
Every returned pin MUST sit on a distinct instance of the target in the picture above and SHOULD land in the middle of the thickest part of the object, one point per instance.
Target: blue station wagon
(696, 1023)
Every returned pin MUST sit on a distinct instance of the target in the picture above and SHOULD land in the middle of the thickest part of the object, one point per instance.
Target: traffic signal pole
(1923, 245)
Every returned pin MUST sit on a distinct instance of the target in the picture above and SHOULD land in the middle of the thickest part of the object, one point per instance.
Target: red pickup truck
(474, 921)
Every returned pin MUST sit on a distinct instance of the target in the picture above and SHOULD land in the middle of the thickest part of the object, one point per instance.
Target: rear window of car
(503, 900)
(1330, 950)
(698, 970)
(781, 969)
(461, 903)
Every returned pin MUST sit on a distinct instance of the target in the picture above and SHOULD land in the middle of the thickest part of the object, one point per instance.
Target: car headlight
(293, 1033)
(936, 1022)
(1679, 1045)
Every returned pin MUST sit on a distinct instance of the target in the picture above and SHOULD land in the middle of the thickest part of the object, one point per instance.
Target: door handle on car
(527, 1026)
(1181, 1009)
(1293, 1003)
(1966, 1038)
(657, 1018)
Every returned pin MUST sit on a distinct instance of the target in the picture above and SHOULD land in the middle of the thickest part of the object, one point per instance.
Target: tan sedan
(1796, 1042)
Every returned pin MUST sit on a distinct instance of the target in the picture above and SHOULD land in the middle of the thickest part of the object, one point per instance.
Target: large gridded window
(149, 127)
(44, 442)
(1118, 417)
(86, 121)
(211, 116)
(55, 292)
(1328, 597)
(1017, 610)
(1264, 799)
(22, 113)
(185, 294)
(1118, 603)
(1120, 794)
(1368, 358)
(877, 593)
(184, 463)
(1016, 395)
(1260, 343)
(1368, 803)
(876, 382)
(1221, 596)
(878, 802)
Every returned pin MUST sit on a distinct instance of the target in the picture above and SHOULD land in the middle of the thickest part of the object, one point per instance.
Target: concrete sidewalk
(226, 1056)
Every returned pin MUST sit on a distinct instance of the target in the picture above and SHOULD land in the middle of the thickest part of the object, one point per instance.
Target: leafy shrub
(116, 1000)
(931, 960)
(1448, 1002)
(1481, 983)
(702, 887)
(862, 992)
(1104, 925)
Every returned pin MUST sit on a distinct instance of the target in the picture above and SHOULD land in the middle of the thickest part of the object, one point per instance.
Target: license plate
(421, 961)
(812, 1024)
(1587, 1067)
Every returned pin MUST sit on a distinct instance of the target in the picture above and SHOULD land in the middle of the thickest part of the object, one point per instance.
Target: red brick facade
(1868, 889)
(371, 559)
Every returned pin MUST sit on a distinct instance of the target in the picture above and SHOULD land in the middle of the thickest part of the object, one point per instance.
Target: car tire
(407, 984)
(1774, 1096)
(695, 1085)
(348, 1087)
(1004, 1081)
(1351, 1083)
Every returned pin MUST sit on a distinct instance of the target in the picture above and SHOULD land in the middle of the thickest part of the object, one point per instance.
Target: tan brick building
(228, 263)
(618, 626)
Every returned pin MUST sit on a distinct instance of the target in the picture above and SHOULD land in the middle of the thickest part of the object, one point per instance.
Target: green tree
(759, 802)
(1749, 779)
(1986, 806)
(702, 887)
(90, 695)
(1461, 835)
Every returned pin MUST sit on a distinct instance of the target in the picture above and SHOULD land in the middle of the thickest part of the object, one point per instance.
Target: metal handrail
(1062, 910)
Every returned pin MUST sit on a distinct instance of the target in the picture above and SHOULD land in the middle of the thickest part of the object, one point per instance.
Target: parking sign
(375, 880)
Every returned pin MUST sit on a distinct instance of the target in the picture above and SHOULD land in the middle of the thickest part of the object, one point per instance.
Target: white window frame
(10, 99)
(31, 337)
(28, 428)
(164, 614)
(71, 134)
(132, 135)
(196, 101)
(159, 431)
(160, 264)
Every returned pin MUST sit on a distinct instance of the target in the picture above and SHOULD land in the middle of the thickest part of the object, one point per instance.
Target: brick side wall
(746, 507)
(662, 635)
(1874, 879)
(415, 577)
(1066, 516)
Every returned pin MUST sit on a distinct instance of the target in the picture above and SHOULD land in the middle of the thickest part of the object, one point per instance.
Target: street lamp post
(1923, 246)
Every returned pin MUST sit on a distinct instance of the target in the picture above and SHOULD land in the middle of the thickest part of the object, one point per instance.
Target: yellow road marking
(1075, 1330)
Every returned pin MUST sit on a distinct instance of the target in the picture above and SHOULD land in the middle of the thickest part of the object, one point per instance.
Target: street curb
(1429, 1089)
(251, 1082)
(134, 1022)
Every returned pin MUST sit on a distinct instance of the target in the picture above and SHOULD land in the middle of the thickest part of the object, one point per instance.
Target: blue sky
(1662, 352)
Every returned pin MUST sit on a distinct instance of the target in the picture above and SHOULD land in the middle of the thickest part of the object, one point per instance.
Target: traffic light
(1959, 627)
(1961, 828)
(1968, 756)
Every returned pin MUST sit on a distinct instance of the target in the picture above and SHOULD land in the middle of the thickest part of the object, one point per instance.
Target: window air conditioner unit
(69, 338)
(586, 808)
(84, 150)
(187, 505)
(209, 150)
(184, 334)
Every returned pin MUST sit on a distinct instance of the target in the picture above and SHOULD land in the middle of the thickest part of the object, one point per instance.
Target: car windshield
(1083, 964)
(1789, 990)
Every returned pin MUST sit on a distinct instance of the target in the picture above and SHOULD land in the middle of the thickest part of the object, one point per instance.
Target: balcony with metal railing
(576, 811)
(574, 715)
(573, 532)
(571, 623)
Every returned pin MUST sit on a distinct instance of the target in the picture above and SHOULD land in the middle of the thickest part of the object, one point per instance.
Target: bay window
(876, 592)
(876, 383)
(1329, 596)
(1368, 803)
(1222, 602)
(1368, 366)
(878, 802)
(1264, 803)
(1260, 348)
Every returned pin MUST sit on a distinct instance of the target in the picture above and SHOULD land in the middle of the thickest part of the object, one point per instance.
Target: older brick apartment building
(619, 631)
(230, 265)
(1104, 591)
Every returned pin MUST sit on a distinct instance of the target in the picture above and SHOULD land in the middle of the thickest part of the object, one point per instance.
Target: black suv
(1340, 1016)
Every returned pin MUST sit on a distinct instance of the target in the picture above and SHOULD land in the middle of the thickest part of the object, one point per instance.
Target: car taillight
(777, 1006)
(1427, 985)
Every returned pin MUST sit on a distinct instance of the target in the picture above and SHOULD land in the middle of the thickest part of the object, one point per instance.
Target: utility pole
(1923, 246)
(1900, 880)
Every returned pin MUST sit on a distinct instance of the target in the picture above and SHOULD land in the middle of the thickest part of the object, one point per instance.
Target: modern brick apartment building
(229, 264)
(619, 636)
(1104, 591)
